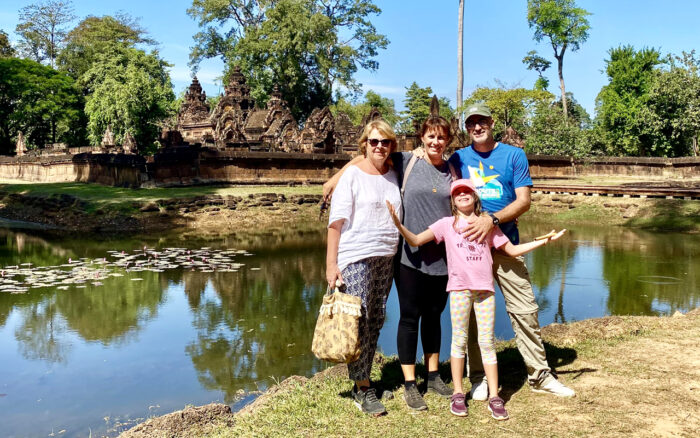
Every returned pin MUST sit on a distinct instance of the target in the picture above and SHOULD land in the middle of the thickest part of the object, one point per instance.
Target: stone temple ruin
(236, 123)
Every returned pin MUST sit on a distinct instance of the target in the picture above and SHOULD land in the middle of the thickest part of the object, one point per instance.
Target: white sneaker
(553, 386)
(480, 390)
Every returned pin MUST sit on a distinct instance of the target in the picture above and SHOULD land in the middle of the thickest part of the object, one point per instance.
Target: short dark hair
(437, 123)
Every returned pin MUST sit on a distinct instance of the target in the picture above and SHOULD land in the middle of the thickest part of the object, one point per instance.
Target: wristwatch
(494, 219)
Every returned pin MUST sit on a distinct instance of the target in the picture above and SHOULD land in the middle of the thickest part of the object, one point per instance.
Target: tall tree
(6, 50)
(460, 57)
(417, 104)
(533, 61)
(39, 101)
(620, 103)
(42, 29)
(129, 90)
(356, 111)
(509, 106)
(93, 35)
(306, 47)
(672, 111)
(564, 25)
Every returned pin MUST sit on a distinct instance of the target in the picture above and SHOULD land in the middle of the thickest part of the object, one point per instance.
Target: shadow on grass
(512, 373)
(669, 215)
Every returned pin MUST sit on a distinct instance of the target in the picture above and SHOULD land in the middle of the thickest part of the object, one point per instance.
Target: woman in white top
(362, 241)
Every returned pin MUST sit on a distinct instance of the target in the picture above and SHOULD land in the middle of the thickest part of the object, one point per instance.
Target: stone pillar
(20, 146)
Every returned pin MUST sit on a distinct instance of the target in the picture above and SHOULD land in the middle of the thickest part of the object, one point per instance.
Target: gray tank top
(426, 199)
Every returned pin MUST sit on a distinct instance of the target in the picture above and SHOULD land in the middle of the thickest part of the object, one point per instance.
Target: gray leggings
(369, 279)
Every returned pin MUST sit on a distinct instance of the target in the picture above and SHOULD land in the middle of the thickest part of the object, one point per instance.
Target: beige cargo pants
(514, 280)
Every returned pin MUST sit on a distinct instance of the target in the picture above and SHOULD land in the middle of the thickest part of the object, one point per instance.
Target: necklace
(435, 176)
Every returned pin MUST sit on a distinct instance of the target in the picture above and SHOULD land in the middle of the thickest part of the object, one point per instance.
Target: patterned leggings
(369, 279)
(484, 308)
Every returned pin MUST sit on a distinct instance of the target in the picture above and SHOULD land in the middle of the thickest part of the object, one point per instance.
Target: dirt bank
(633, 376)
(205, 214)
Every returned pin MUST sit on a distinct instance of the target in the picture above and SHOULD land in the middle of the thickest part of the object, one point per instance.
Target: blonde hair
(383, 128)
(455, 212)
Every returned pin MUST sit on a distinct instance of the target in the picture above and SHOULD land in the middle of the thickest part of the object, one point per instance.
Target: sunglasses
(470, 124)
(374, 142)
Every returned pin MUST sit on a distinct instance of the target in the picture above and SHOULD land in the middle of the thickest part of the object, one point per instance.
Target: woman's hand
(328, 188)
(419, 152)
(392, 211)
(333, 275)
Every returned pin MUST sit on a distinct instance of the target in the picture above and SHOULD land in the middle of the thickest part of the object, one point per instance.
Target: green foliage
(129, 90)
(306, 47)
(418, 108)
(42, 29)
(6, 50)
(39, 101)
(561, 23)
(620, 104)
(510, 107)
(551, 134)
(358, 111)
(535, 62)
(94, 35)
(672, 111)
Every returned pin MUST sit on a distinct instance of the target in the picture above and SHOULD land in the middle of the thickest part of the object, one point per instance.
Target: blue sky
(423, 41)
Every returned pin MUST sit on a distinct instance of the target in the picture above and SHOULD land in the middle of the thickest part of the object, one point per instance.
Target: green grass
(107, 194)
(611, 376)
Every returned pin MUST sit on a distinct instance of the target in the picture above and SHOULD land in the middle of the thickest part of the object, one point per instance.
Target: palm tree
(460, 55)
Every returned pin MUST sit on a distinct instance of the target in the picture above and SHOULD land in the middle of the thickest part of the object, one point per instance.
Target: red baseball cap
(462, 183)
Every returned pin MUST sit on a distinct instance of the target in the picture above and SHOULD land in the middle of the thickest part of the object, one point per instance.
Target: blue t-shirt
(496, 175)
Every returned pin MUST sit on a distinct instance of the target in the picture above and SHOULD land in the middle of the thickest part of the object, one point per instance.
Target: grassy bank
(635, 376)
(114, 209)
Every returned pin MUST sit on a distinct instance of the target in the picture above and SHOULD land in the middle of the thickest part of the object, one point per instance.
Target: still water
(91, 360)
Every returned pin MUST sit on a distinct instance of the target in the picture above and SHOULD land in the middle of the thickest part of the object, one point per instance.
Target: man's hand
(478, 229)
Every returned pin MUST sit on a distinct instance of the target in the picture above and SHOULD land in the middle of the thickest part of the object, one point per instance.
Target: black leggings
(421, 296)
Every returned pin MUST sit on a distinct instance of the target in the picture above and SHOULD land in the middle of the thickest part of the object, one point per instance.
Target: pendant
(434, 190)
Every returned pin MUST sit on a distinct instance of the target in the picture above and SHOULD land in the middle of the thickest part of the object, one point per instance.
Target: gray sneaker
(367, 402)
(413, 399)
(437, 386)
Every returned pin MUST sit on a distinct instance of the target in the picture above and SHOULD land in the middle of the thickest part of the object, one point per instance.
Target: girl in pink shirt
(470, 283)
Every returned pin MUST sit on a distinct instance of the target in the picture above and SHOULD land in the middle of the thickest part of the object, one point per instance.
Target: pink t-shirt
(469, 264)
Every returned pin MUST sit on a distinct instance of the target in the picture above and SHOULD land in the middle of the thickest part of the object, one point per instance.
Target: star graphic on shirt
(478, 177)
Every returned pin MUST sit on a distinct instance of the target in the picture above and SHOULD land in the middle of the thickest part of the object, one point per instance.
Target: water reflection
(258, 320)
(181, 336)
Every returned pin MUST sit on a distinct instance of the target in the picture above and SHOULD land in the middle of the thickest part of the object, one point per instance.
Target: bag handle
(409, 167)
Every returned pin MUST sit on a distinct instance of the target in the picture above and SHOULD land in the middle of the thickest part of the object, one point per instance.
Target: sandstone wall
(187, 166)
(543, 166)
(213, 166)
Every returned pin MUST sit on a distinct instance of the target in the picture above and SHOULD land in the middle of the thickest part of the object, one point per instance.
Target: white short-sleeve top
(368, 230)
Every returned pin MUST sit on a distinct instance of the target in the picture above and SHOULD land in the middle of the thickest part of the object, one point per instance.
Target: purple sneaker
(458, 405)
(498, 408)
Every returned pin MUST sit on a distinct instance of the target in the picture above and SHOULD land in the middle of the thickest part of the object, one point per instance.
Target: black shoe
(413, 399)
(437, 386)
(367, 401)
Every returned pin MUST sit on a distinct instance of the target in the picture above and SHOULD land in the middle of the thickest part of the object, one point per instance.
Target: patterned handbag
(336, 335)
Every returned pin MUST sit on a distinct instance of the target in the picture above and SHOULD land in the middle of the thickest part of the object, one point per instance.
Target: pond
(92, 358)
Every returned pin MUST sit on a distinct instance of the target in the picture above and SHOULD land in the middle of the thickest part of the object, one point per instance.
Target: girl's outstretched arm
(412, 239)
(524, 248)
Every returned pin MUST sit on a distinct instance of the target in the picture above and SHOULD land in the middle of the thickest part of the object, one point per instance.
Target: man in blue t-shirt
(501, 174)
